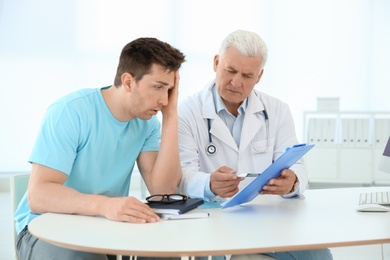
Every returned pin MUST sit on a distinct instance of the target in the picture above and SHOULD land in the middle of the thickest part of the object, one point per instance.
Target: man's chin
(147, 116)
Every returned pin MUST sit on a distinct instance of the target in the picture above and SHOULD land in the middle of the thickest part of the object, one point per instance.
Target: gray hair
(247, 43)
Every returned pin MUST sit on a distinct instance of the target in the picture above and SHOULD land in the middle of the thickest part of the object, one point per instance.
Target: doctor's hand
(282, 185)
(224, 182)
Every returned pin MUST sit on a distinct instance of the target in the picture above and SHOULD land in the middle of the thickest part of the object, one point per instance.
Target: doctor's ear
(216, 61)
(260, 75)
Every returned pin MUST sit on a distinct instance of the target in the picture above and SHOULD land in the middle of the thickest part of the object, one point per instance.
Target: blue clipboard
(285, 161)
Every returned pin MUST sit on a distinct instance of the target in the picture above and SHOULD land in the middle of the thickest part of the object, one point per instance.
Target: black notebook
(176, 208)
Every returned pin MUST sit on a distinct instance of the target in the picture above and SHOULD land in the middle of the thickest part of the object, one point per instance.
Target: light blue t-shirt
(80, 137)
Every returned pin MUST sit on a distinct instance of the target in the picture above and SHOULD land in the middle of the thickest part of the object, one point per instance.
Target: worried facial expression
(148, 95)
(236, 76)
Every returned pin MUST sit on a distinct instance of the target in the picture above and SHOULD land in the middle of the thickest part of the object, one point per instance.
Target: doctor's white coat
(256, 152)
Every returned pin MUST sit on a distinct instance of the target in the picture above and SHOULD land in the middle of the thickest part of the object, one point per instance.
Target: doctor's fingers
(225, 169)
(217, 184)
(288, 174)
(275, 189)
(219, 187)
(222, 176)
(227, 192)
(280, 184)
(286, 178)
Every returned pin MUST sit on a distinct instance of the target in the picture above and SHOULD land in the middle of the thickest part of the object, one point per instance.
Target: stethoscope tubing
(211, 149)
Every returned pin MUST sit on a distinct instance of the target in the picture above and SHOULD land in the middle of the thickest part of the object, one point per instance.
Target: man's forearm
(167, 169)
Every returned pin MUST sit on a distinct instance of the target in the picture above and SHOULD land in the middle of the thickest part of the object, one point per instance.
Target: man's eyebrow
(162, 82)
(165, 84)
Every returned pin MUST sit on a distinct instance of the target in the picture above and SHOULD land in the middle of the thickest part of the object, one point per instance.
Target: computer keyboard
(378, 197)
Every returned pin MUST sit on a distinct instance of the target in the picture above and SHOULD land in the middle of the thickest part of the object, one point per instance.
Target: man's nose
(164, 98)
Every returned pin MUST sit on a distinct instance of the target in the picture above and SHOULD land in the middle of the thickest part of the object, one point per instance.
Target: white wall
(316, 49)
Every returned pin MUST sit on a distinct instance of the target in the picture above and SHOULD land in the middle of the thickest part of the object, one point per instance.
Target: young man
(229, 127)
(89, 141)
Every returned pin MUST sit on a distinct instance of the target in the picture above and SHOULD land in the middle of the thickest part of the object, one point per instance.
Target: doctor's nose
(236, 81)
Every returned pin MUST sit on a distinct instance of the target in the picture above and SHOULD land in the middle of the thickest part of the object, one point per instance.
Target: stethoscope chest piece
(211, 149)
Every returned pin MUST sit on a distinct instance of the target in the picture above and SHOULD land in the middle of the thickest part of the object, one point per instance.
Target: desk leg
(210, 257)
(118, 257)
(383, 255)
(188, 258)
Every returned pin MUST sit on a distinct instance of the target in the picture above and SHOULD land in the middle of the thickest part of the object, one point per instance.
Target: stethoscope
(211, 149)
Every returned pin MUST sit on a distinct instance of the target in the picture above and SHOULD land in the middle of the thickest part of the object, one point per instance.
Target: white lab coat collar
(254, 118)
(208, 110)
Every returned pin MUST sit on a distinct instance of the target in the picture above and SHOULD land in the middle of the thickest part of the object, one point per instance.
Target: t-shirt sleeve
(152, 142)
(57, 141)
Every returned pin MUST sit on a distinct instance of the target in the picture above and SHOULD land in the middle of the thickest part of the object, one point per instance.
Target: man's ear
(128, 81)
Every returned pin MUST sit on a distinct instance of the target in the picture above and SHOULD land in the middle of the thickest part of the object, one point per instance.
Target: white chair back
(18, 187)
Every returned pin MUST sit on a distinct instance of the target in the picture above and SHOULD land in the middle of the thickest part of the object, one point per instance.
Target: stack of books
(179, 210)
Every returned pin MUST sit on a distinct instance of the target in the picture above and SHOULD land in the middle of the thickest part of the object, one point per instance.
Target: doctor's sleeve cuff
(207, 190)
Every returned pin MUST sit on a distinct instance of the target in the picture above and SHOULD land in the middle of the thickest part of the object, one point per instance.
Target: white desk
(326, 218)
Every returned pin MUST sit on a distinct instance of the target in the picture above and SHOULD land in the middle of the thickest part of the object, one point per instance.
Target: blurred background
(330, 48)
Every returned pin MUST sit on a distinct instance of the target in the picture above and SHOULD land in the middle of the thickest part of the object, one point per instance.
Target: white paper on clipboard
(285, 161)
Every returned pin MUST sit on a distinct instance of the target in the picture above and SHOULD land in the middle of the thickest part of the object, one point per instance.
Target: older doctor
(230, 127)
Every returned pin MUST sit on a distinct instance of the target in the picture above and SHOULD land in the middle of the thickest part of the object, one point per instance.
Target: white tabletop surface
(325, 218)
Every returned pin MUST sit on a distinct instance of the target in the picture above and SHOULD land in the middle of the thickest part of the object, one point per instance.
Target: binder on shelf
(314, 131)
(362, 132)
(382, 130)
(329, 132)
(311, 130)
(285, 161)
(319, 131)
(377, 132)
(347, 132)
